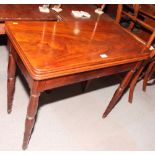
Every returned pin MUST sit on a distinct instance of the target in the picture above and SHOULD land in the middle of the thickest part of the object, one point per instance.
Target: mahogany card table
(54, 54)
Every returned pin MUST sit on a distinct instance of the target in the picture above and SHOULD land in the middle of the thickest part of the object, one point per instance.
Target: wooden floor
(73, 120)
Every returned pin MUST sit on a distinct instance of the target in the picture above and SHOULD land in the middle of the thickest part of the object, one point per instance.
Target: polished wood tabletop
(62, 48)
(24, 12)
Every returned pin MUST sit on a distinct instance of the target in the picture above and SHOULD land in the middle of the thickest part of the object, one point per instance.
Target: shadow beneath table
(3, 39)
(72, 90)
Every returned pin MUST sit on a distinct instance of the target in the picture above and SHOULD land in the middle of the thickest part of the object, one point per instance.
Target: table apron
(79, 77)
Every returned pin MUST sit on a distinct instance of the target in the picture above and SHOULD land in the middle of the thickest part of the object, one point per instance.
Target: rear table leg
(10, 82)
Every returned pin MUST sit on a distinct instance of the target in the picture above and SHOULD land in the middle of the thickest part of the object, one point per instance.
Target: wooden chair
(149, 12)
(133, 15)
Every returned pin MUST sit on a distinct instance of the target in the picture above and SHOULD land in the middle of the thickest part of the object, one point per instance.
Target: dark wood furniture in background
(149, 25)
(148, 9)
(134, 16)
(24, 12)
(111, 10)
(66, 14)
(148, 12)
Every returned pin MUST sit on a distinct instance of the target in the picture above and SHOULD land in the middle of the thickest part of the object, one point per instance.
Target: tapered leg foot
(24, 147)
(30, 118)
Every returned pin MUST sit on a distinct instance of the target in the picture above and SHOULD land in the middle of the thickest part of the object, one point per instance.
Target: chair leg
(118, 93)
(151, 73)
(135, 79)
(30, 118)
(133, 83)
(147, 73)
(10, 82)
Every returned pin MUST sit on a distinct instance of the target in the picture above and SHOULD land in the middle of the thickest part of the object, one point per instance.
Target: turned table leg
(120, 90)
(30, 117)
(10, 82)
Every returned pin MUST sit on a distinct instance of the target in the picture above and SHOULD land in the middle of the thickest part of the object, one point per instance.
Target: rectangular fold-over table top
(53, 49)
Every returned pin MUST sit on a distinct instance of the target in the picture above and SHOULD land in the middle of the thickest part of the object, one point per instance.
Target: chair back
(133, 13)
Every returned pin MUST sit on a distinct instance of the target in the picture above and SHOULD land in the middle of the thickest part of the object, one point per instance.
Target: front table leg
(10, 82)
(121, 89)
(30, 118)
